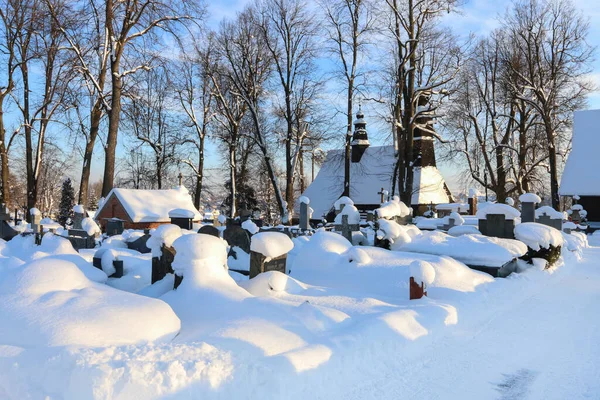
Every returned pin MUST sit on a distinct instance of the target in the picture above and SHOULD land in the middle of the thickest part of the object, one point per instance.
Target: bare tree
(349, 24)
(550, 37)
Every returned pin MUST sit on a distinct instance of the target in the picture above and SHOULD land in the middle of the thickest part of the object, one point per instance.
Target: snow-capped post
(576, 213)
(528, 202)
(304, 213)
(472, 202)
(78, 216)
(182, 218)
(268, 252)
(36, 218)
(118, 265)
(422, 275)
(347, 221)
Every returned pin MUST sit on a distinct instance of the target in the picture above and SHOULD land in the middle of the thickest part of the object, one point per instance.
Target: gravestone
(6, 231)
(472, 205)
(210, 230)
(496, 225)
(548, 221)
(346, 229)
(36, 218)
(304, 217)
(161, 266)
(77, 219)
(182, 218)
(235, 235)
(259, 264)
(527, 212)
(139, 244)
(114, 226)
(416, 291)
(451, 223)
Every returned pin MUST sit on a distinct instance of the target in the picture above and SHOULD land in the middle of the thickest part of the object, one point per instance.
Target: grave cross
(180, 176)
(346, 229)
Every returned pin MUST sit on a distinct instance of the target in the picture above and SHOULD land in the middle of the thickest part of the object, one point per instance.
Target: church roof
(580, 176)
(374, 171)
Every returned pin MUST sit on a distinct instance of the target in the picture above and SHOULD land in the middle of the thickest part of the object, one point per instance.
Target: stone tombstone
(6, 231)
(472, 205)
(576, 216)
(416, 290)
(260, 263)
(139, 244)
(235, 235)
(77, 219)
(161, 266)
(115, 226)
(548, 221)
(182, 218)
(496, 225)
(304, 217)
(210, 230)
(346, 228)
(527, 212)
(80, 239)
(370, 216)
(118, 264)
(36, 219)
(451, 223)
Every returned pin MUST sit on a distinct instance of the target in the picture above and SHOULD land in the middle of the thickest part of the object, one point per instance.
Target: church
(372, 172)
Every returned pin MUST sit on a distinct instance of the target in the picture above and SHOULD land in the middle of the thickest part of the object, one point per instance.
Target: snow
(90, 226)
(538, 236)
(35, 211)
(431, 186)
(422, 272)
(397, 234)
(271, 244)
(463, 230)
(304, 199)
(576, 207)
(199, 252)
(250, 226)
(392, 208)
(165, 234)
(569, 225)
(351, 211)
(470, 249)
(549, 211)
(182, 213)
(222, 219)
(51, 303)
(153, 205)
(79, 209)
(510, 201)
(530, 198)
(497, 208)
(580, 175)
(458, 219)
(345, 200)
(457, 207)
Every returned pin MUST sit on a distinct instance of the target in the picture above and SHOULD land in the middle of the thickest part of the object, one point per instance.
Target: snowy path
(544, 347)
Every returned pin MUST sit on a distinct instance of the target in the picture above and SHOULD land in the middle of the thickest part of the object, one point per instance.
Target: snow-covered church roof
(581, 176)
(153, 205)
(374, 171)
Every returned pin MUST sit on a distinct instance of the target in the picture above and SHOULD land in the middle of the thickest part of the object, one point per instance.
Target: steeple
(360, 140)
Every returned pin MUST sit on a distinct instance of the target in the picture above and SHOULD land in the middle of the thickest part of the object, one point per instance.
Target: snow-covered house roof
(153, 205)
(374, 171)
(581, 176)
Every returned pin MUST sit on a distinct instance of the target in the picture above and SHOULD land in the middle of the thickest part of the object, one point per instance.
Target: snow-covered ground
(339, 327)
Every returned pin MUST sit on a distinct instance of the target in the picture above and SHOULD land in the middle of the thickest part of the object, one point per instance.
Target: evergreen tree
(93, 202)
(67, 202)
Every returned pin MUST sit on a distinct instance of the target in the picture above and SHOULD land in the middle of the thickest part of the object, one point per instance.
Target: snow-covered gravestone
(182, 218)
(268, 252)
(198, 257)
(547, 215)
(341, 203)
(568, 227)
(528, 202)
(36, 218)
(422, 275)
(472, 201)
(115, 226)
(6, 231)
(347, 221)
(305, 213)
(78, 216)
(161, 245)
(498, 220)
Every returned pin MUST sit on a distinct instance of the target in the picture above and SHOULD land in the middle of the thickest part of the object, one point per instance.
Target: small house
(580, 176)
(145, 209)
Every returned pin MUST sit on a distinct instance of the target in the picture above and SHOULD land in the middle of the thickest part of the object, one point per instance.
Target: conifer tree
(67, 202)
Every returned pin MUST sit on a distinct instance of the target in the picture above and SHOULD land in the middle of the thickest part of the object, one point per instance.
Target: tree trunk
(95, 118)
(348, 148)
(5, 192)
(232, 169)
(552, 160)
(113, 128)
(200, 174)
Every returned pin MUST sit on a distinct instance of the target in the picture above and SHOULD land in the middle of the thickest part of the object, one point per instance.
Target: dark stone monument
(497, 225)
(118, 264)
(235, 235)
(161, 266)
(346, 229)
(182, 218)
(114, 226)
(258, 264)
(304, 217)
(6, 231)
(472, 205)
(528, 212)
(210, 230)
(140, 244)
(548, 221)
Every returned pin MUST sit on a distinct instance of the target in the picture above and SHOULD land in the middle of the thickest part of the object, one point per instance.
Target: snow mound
(397, 234)
(35, 211)
(271, 244)
(549, 211)
(345, 200)
(422, 272)
(164, 234)
(470, 249)
(90, 226)
(322, 250)
(497, 208)
(392, 208)
(181, 213)
(199, 251)
(51, 303)
(79, 209)
(351, 211)
(530, 198)
(463, 230)
(537, 236)
(304, 199)
(250, 226)
(272, 282)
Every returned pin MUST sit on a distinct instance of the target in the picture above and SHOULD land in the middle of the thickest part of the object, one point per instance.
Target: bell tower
(360, 140)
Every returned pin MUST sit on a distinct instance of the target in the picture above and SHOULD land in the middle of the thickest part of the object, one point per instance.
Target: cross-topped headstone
(180, 177)
(382, 193)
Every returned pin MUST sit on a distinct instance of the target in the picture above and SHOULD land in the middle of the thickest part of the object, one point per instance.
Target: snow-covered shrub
(543, 242)
(463, 230)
